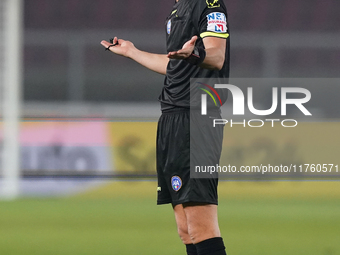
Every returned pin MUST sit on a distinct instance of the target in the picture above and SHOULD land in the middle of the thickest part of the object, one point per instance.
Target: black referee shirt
(188, 18)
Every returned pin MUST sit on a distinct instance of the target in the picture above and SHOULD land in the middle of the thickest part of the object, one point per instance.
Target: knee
(198, 234)
(194, 235)
(184, 235)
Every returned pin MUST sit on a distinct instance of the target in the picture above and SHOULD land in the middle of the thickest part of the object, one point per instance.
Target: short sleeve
(210, 18)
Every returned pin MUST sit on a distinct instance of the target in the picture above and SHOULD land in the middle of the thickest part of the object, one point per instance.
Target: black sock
(212, 246)
(191, 249)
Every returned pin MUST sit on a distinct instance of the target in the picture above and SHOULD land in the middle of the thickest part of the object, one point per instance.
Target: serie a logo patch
(176, 183)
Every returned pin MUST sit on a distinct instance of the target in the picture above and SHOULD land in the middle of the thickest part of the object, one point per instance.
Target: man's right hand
(123, 48)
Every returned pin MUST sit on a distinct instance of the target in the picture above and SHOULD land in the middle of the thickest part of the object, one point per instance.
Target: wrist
(132, 52)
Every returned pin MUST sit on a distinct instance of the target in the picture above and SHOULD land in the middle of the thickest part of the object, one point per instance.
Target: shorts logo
(168, 27)
(217, 22)
(212, 3)
(176, 183)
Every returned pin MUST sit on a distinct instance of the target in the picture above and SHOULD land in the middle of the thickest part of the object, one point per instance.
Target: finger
(105, 43)
(185, 51)
(181, 51)
(176, 55)
(193, 39)
(116, 41)
(173, 54)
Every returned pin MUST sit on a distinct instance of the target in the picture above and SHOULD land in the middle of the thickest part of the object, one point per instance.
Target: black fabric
(189, 18)
(191, 249)
(213, 246)
(174, 156)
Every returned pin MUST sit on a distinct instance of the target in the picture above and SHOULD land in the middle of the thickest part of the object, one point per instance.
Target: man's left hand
(186, 50)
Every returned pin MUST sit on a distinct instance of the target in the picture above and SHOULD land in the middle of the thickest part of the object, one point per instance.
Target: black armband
(197, 56)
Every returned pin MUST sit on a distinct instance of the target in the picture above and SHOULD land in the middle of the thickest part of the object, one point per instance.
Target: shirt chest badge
(168, 27)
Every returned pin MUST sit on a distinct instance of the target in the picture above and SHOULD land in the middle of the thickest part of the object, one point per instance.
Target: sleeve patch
(217, 22)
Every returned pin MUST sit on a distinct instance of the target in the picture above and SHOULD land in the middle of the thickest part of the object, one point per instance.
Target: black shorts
(175, 156)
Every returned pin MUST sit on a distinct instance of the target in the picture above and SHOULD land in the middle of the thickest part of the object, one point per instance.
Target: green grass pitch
(274, 218)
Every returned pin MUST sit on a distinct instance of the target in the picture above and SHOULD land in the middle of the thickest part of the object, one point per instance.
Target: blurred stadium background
(88, 119)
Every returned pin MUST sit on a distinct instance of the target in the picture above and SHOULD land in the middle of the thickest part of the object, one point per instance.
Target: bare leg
(196, 222)
(181, 221)
(202, 221)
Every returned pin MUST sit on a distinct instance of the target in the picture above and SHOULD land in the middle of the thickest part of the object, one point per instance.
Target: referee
(197, 39)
